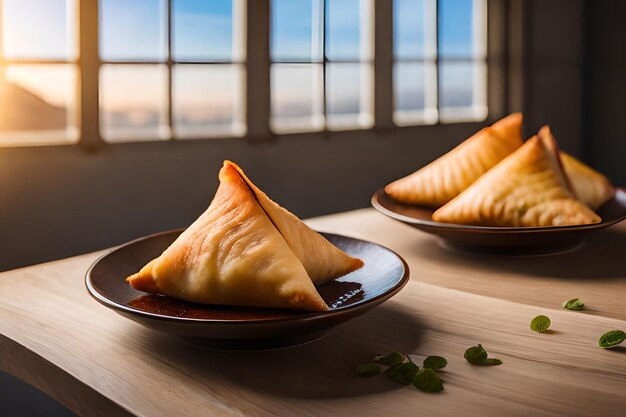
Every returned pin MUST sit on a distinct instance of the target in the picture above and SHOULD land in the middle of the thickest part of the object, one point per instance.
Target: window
(439, 61)
(177, 69)
(321, 73)
(38, 72)
(171, 69)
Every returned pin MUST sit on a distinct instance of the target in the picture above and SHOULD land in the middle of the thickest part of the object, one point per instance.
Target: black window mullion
(382, 64)
(258, 65)
(324, 62)
(436, 61)
(170, 72)
(1, 33)
(89, 73)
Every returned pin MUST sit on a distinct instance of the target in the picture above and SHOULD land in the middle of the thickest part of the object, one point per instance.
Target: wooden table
(55, 337)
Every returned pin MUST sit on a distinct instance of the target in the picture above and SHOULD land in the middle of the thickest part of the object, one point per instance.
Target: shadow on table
(602, 257)
(321, 369)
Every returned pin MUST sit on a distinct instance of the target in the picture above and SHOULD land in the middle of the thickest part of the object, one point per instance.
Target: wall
(605, 82)
(554, 71)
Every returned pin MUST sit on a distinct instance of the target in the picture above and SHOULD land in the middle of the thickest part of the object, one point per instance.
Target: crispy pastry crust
(322, 260)
(446, 177)
(528, 188)
(591, 187)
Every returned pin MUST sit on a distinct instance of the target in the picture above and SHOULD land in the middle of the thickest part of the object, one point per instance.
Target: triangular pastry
(234, 255)
(591, 187)
(446, 177)
(322, 260)
(528, 188)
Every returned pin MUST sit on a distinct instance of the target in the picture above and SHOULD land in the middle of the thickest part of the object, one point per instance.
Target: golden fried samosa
(528, 189)
(234, 255)
(446, 177)
(322, 260)
(591, 187)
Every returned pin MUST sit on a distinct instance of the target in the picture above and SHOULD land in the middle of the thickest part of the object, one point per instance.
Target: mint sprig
(402, 373)
(477, 355)
(574, 304)
(435, 362)
(540, 324)
(391, 359)
(611, 339)
(401, 369)
(427, 380)
(367, 369)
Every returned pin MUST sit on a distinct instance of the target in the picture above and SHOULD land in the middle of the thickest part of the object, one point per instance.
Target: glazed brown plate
(502, 240)
(240, 328)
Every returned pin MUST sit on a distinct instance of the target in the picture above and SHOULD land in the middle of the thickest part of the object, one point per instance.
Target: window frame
(364, 61)
(257, 66)
(237, 59)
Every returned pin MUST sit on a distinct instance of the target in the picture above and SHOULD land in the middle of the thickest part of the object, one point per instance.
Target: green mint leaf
(490, 362)
(427, 380)
(394, 358)
(402, 373)
(435, 362)
(368, 369)
(574, 304)
(611, 338)
(540, 324)
(475, 354)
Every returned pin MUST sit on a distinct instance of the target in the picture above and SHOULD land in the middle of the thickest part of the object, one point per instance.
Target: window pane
(415, 93)
(204, 30)
(133, 30)
(462, 90)
(296, 97)
(39, 29)
(461, 28)
(349, 96)
(347, 31)
(133, 102)
(38, 104)
(207, 100)
(408, 18)
(296, 30)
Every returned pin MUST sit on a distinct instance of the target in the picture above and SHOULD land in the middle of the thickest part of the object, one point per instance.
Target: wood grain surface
(54, 336)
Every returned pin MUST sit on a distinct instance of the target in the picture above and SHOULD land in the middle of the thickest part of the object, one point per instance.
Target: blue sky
(202, 29)
(297, 30)
(455, 27)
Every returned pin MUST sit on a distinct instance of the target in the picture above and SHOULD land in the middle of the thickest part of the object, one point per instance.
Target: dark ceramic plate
(502, 240)
(222, 327)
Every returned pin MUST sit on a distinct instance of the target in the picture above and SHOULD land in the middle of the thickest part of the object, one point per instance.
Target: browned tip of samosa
(144, 280)
(510, 126)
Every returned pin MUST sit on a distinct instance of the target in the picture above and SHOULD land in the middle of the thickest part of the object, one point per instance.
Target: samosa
(591, 187)
(235, 254)
(446, 177)
(321, 259)
(528, 188)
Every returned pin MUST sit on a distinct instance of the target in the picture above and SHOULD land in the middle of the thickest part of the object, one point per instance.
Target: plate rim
(374, 201)
(298, 317)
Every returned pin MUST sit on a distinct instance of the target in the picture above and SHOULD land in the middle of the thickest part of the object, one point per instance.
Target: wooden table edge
(24, 364)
